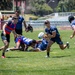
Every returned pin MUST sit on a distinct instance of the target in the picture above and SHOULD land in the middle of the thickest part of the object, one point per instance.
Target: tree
(66, 6)
(39, 7)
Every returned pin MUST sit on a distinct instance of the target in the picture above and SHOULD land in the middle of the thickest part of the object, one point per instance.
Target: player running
(54, 36)
(8, 27)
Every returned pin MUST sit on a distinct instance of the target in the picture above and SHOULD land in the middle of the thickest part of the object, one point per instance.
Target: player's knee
(61, 48)
(6, 44)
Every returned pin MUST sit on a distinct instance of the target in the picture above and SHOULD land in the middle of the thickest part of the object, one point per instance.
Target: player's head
(17, 12)
(33, 42)
(70, 18)
(47, 23)
(15, 19)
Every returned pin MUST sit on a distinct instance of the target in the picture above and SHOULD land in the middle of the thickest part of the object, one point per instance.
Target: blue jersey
(24, 40)
(43, 45)
(57, 38)
(52, 29)
(27, 41)
(19, 23)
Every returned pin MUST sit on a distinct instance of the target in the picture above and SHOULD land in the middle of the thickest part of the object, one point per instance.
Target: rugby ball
(40, 35)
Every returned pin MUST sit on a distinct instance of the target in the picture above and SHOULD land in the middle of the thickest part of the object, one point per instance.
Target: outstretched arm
(16, 47)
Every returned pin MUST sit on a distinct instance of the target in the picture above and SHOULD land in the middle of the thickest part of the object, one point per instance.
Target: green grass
(35, 63)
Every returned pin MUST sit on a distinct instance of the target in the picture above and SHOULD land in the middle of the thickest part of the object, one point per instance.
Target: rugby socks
(48, 54)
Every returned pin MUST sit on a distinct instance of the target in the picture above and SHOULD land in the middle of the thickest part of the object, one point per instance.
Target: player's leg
(61, 45)
(48, 48)
(6, 44)
(1, 48)
(6, 40)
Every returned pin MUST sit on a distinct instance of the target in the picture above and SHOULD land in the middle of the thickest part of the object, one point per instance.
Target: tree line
(41, 7)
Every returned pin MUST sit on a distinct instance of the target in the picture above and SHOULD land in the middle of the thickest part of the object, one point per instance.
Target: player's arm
(25, 26)
(51, 35)
(15, 34)
(35, 50)
(16, 47)
(4, 28)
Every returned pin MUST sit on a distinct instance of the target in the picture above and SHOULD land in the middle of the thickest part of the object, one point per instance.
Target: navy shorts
(18, 31)
(57, 40)
(7, 37)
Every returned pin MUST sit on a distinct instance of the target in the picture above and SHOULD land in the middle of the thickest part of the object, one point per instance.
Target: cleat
(67, 44)
(3, 57)
(47, 56)
(7, 50)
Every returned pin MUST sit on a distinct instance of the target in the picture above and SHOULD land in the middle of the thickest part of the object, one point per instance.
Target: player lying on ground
(22, 43)
(41, 45)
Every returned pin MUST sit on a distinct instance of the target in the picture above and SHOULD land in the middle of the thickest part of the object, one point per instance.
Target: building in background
(52, 3)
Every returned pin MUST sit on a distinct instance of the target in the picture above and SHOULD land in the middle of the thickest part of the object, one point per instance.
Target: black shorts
(7, 37)
(18, 31)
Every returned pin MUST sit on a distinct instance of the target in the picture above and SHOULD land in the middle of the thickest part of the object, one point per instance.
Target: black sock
(3, 54)
(48, 54)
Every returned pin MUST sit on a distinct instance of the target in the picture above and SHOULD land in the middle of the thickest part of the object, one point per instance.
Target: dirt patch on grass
(64, 28)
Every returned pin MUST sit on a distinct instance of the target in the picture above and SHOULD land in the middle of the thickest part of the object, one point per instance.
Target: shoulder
(53, 28)
(21, 17)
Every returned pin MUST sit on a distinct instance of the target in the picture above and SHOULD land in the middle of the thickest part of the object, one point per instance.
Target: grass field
(35, 63)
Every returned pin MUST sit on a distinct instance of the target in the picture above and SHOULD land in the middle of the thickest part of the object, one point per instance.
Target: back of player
(26, 41)
(43, 45)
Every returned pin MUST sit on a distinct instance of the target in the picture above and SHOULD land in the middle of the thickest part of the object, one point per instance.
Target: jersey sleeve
(17, 40)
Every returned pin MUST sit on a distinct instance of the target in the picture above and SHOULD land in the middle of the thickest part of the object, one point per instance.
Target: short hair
(14, 17)
(46, 22)
(32, 42)
(70, 18)
(18, 11)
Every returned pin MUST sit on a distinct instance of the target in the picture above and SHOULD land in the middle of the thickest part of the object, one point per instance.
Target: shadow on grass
(14, 57)
(60, 56)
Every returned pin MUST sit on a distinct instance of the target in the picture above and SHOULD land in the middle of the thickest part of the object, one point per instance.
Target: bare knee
(6, 45)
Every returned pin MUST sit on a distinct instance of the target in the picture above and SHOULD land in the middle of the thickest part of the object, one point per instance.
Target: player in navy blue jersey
(54, 36)
(72, 21)
(20, 23)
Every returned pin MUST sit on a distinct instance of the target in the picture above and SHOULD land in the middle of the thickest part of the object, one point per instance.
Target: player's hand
(26, 29)
(49, 35)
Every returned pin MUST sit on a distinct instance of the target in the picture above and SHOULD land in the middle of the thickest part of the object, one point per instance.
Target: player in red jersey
(8, 27)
